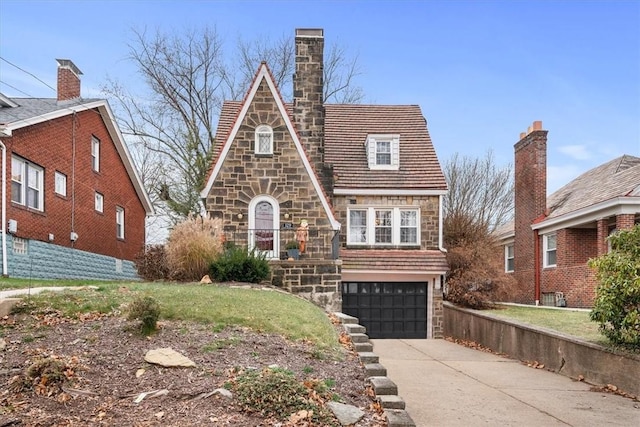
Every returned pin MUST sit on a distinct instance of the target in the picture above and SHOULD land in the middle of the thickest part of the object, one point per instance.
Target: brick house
(74, 206)
(551, 239)
(365, 178)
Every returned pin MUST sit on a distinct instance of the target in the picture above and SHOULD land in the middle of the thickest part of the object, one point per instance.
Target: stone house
(73, 204)
(548, 244)
(366, 180)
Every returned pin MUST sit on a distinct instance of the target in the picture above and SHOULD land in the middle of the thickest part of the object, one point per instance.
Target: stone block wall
(48, 261)
(315, 280)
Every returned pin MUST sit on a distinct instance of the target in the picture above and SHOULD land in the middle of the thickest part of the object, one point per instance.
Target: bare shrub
(151, 263)
(192, 246)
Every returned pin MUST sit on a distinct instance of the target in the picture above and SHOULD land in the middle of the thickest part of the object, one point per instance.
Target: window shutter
(371, 148)
(395, 152)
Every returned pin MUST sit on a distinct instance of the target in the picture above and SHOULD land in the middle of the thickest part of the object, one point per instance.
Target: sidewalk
(445, 384)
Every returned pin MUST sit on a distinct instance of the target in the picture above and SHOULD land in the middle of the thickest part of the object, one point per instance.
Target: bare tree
(480, 197)
(187, 76)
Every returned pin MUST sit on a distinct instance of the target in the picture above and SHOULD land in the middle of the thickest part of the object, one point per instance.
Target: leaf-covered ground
(56, 371)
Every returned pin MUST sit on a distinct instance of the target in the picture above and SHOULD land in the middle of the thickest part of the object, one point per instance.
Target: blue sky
(482, 71)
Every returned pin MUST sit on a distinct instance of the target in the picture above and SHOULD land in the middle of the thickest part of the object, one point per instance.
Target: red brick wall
(49, 145)
(577, 283)
(625, 221)
(576, 246)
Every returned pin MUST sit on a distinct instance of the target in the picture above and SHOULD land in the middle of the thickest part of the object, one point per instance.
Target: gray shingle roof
(617, 178)
(346, 130)
(33, 107)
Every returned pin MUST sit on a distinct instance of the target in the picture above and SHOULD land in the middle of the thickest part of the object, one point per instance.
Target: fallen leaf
(140, 372)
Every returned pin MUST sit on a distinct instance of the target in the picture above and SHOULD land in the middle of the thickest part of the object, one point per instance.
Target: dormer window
(383, 152)
(264, 140)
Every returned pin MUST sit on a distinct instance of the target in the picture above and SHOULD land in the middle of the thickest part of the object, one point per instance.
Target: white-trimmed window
(119, 222)
(95, 154)
(264, 140)
(60, 183)
(99, 202)
(383, 152)
(549, 248)
(27, 183)
(383, 226)
(509, 258)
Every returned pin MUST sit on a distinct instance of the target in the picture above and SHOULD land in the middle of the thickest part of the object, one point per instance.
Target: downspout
(536, 269)
(440, 225)
(4, 210)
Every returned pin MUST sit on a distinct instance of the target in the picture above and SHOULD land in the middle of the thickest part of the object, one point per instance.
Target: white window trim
(263, 129)
(546, 250)
(371, 147)
(119, 222)
(507, 258)
(371, 226)
(25, 167)
(60, 184)
(99, 202)
(95, 154)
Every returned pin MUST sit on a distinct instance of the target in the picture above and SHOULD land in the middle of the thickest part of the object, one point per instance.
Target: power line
(15, 88)
(29, 73)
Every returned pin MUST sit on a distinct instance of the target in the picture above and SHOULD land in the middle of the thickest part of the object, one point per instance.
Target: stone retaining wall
(560, 353)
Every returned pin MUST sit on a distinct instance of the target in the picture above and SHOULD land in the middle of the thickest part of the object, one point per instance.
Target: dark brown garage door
(389, 309)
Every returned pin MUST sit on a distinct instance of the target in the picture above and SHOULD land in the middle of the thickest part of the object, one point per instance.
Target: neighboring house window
(61, 183)
(549, 247)
(119, 222)
(508, 258)
(99, 202)
(264, 140)
(27, 183)
(383, 226)
(95, 154)
(383, 152)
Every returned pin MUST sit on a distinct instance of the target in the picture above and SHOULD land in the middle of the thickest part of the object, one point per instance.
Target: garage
(388, 309)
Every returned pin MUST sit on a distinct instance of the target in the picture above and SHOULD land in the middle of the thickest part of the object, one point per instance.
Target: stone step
(375, 370)
(357, 337)
(383, 385)
(398, 418)
(368, 357)
(390, 401)
(351, 328)
(363, 347)
(346, 319)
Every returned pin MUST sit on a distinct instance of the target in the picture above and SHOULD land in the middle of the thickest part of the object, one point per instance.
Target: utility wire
(29, 73)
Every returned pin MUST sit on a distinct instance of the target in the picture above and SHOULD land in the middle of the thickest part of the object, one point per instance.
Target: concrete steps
(386, 391)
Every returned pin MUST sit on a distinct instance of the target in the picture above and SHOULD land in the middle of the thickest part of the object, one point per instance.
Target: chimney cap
(67, 63)
(310, 32)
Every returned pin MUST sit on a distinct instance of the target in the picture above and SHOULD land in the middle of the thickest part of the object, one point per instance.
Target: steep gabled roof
(228, 128)
(346, 130)
(619, 177)
(31, 111)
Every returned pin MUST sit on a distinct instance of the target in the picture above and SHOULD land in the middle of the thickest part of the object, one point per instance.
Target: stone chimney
(308, 94)
(68, 80)
(530, 195)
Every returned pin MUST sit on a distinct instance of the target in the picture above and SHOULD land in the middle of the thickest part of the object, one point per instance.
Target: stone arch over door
(264, 225)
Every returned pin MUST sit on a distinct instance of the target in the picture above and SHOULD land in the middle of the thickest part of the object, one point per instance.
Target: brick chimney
(308, 108)
(530, 196)
(68, 80)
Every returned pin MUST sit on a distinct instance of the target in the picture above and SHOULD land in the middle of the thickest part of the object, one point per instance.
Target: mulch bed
(105, 372)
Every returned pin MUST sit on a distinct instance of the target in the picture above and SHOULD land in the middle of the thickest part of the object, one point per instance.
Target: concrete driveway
(445, 384)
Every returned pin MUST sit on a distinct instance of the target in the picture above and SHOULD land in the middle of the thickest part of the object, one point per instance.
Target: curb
(386, 391)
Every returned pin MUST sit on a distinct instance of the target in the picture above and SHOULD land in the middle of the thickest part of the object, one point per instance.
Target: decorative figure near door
(302, 235)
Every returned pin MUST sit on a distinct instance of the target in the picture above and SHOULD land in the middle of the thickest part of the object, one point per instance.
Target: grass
(575, 323)
(219, 306)
(11, 283)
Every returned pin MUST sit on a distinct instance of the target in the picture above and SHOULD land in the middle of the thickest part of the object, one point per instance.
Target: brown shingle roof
(346, 130)
(616, 178)
(393, 259)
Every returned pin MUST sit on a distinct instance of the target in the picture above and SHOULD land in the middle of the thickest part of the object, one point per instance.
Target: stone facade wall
(429, 212)
(437, 320)
(49, 261)
(316, 281)
(246, 175)
(50, 145)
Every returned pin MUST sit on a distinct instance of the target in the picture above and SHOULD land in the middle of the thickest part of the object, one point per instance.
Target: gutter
(4, 210)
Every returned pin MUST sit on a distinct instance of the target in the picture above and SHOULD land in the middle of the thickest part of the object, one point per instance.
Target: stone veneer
(314, 280)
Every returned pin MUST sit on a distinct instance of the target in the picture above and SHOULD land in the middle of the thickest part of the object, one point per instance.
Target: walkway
(445, 384)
